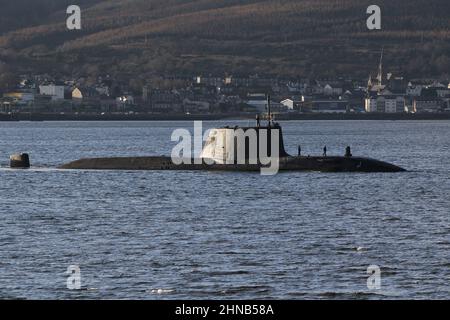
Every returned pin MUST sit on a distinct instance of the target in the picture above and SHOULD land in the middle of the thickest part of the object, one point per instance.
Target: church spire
(380, 69)
(369, 82)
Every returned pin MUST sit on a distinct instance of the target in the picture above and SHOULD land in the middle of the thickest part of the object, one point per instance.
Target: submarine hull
(288, 163)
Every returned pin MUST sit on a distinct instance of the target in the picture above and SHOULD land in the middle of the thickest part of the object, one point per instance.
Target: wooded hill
(288, 38)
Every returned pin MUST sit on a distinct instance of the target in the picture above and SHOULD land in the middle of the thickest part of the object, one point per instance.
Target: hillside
(137, 38)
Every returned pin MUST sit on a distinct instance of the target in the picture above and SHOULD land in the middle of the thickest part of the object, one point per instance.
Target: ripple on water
(203, 235)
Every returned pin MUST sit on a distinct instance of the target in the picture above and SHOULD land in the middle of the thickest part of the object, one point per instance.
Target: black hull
(323, 164)
(20, 161)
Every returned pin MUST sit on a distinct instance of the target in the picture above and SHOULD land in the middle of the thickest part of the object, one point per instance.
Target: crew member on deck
(325, 151)
(299, 150)
(348, 152)
(257, 121)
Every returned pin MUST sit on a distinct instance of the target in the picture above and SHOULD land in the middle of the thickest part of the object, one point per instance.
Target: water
(210, 235)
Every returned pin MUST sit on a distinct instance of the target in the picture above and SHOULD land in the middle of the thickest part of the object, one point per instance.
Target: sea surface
(225, 235)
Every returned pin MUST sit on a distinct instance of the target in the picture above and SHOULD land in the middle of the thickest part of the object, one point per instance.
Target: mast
(269, 111)
(380, 68)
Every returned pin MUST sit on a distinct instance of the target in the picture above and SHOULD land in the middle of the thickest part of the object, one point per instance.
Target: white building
(371, 104)
(385, 104)
(390, 105)
(55, 91)
(291, 104)
(209, 81)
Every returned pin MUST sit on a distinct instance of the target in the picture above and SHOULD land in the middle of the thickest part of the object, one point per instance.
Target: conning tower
(228, 145)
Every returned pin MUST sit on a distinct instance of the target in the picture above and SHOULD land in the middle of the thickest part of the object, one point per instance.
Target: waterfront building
(371, 104)
(56, 92)
(83, 93)
(385, 103)
(20, 96)
(291, 104)
(429, 101)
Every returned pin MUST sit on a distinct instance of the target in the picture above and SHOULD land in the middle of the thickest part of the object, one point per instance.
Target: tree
(8, 78)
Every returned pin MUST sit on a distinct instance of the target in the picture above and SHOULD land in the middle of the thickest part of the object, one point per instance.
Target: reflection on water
(164, 235)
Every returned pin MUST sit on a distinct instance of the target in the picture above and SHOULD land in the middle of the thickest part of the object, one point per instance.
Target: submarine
(240, 149)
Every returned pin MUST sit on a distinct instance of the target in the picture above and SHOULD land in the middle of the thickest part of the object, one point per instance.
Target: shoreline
(217, 117)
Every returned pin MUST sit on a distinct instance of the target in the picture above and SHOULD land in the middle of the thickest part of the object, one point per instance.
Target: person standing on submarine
(348, 152)
(325, 151)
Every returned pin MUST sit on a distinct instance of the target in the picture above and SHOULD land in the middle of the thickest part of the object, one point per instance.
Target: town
(224, 95)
